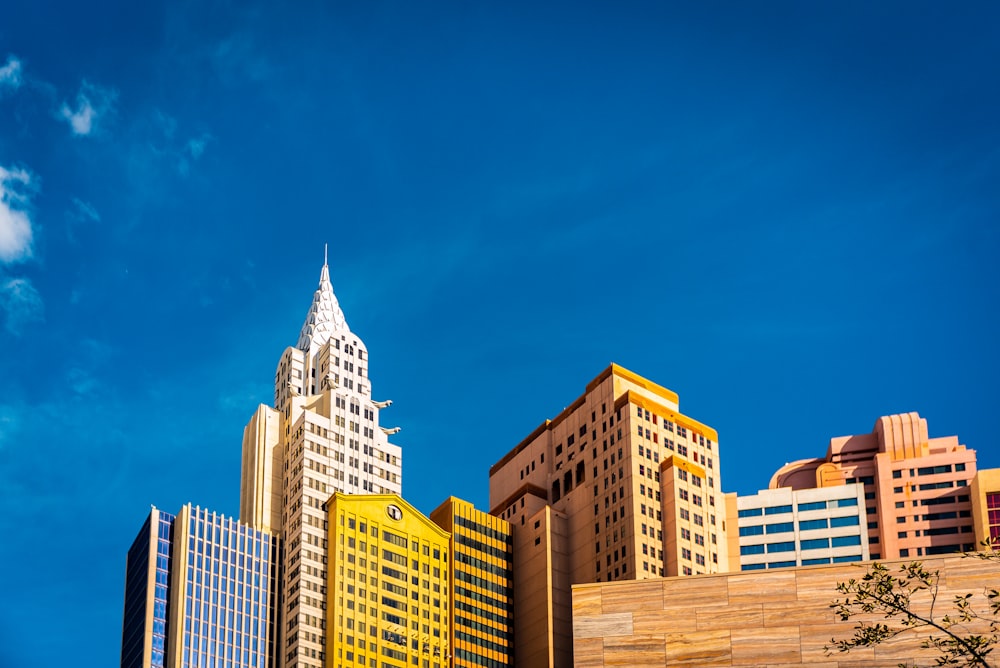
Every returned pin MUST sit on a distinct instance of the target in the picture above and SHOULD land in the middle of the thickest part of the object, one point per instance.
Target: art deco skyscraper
(322, 436)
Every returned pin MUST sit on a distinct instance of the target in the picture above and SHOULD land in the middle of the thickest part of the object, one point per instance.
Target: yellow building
(985, 489)
(387, 585)
(619, 486)
(481, 585)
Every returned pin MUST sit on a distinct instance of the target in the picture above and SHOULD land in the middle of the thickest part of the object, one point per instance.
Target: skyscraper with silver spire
(322, 436)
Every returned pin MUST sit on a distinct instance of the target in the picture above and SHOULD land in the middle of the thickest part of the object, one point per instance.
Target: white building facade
(783, 527)
(322, 436)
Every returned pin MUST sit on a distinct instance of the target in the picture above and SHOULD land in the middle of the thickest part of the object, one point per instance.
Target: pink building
(917, 492)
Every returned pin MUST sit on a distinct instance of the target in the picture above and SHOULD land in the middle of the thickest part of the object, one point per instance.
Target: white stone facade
(322, 436)
(783, 527)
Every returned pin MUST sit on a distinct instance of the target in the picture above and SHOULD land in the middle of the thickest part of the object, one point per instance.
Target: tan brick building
(619, 486)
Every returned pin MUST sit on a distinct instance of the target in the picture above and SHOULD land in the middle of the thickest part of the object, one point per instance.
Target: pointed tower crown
(325, 316)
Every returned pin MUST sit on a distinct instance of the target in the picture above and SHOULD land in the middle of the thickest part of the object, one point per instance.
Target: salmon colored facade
(917, 494)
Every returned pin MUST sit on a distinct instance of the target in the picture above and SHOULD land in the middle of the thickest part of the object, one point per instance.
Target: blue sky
(785, 212)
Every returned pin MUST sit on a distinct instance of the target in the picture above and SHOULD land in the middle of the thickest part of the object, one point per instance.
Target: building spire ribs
(325, 316)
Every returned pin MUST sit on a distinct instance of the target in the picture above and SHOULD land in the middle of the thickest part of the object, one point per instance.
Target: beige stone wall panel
(630, 596)
(779, 585)
(588, 653)
(700, 648)
(778, 618)
(634, 651)
(779, 644)
(714, 618)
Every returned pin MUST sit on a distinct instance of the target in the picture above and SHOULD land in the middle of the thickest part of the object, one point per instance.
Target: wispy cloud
(197, 146)
(92, 104)
(10, 74)
(84, 211)
(21, 304)
(15, 223)
(79, 215)
(191, 151)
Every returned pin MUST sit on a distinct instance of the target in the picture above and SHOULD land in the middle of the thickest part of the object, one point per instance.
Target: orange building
(917, 494)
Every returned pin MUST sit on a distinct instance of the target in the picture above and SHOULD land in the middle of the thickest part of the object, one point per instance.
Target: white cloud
(21, 303)
(15, 224)
(10, 74)
(92, 103)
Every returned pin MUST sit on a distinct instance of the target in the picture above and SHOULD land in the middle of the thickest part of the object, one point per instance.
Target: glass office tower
(199, 591)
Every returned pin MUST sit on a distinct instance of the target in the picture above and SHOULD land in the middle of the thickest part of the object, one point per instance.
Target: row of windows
(931, 470)
(805, 562)
(804, 525)
(802, 507)
(489, 532)
(643, 413)
(809, 544)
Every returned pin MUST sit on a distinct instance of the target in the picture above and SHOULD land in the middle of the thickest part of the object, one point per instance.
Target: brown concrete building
(918, 500)
(779, 618)
(619, 486)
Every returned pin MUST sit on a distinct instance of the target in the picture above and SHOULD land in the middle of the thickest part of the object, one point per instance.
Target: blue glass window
(815, 543)
(847, 559)
(809, 525)
(813, 562)
(851, 521)
(812, 505)
(787, 546)
(777, 510)
(780, 527)
(843, 541)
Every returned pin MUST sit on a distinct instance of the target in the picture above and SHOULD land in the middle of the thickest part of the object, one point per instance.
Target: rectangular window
(780, 527)
(844, 541)
(815, 544)
(812, 505)
(850, 521)
(778, 510)
(853, 557)
(810, 525)
(785, 546)
(939, 485)
(934, 470)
